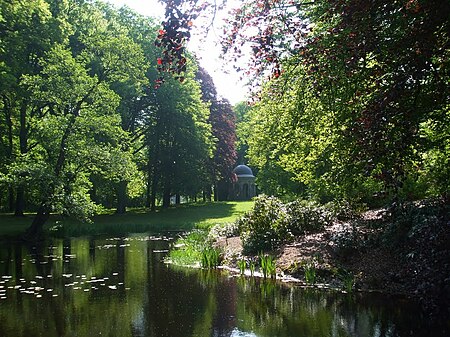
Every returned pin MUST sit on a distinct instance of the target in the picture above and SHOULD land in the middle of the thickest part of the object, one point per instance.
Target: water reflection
(121, 287)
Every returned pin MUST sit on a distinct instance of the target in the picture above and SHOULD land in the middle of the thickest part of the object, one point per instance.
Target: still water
(121, 287)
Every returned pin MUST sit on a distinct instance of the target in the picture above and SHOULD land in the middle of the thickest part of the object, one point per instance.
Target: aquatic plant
(210, 258)
(348, 280)
(268, 266)
(310, 272)
(252, 268)
(242, 264)
(188, 249)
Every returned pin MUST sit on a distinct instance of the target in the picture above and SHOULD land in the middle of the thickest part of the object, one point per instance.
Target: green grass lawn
(183, 217)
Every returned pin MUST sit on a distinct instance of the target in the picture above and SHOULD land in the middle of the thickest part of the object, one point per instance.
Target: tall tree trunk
(93, 191)
(121, 190)
(166, 197)
(23, 142)
(9, 150)
(11, 199)
(148, 191)
(216, 191)
(153, 178)
(153, 197)
(20, 201)
(177, 199)
(207, 193)
(153, 182)
(34, 232)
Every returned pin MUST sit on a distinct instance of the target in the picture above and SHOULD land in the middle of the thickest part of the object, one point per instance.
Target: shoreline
(418, 269)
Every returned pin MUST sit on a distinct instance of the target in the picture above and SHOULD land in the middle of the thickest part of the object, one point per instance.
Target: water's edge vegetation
(374, 250)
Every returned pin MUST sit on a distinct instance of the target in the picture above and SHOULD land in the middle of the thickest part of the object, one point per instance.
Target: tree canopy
(103, 107)
(83, 125)
(354, 96)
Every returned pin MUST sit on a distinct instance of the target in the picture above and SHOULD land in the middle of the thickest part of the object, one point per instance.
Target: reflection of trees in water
(73, 311)
(184, 302)
(271, 310)
(169, 301)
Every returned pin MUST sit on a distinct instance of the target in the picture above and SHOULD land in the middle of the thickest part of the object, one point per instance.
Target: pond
(121, 287)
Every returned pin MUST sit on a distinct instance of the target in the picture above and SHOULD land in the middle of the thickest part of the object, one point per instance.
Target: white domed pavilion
(244, 188)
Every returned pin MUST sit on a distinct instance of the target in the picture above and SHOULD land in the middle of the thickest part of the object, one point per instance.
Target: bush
(271, 223)
(307, 216)
(344, 210)
(223, 230)
(408, 219)
(264, 227)
(347, 240)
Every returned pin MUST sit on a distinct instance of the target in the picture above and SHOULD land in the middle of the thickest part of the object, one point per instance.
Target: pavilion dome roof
(243, 171)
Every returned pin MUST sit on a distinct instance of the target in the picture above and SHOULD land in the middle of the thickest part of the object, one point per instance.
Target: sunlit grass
(181, 218)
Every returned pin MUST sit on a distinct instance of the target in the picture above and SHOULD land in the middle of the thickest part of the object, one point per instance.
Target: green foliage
(264, 227)
(223, 230)
(268, 265)
(348, 280)
(210, 258)
(271, 223)
(82, 126)
(252, 267)
(178, 139)
(407, 220)
(346, 115)
(191, 250)
(346, 241)
(310, 272)
(307, 216)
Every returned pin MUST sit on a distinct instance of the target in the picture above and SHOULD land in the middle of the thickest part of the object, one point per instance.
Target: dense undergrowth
(415, 234)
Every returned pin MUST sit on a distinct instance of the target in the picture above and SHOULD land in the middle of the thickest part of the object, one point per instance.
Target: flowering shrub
(264, 227)
(271, 223)
(307, 216)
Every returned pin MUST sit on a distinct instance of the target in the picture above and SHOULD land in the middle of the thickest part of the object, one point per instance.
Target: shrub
(223, 230)
(264, 227)
(271, 223)
(307, 216)
(347, 240)
(408, 219)
(344, 210)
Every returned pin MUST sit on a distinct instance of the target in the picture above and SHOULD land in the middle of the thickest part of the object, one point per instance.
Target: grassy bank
(183, 217)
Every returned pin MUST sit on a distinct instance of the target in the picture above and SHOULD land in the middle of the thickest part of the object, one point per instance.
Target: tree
(243, 130)
(27, 31)
(178, 140)
(370, 75)
(76, 109)
(222, 120)
(135, 95)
